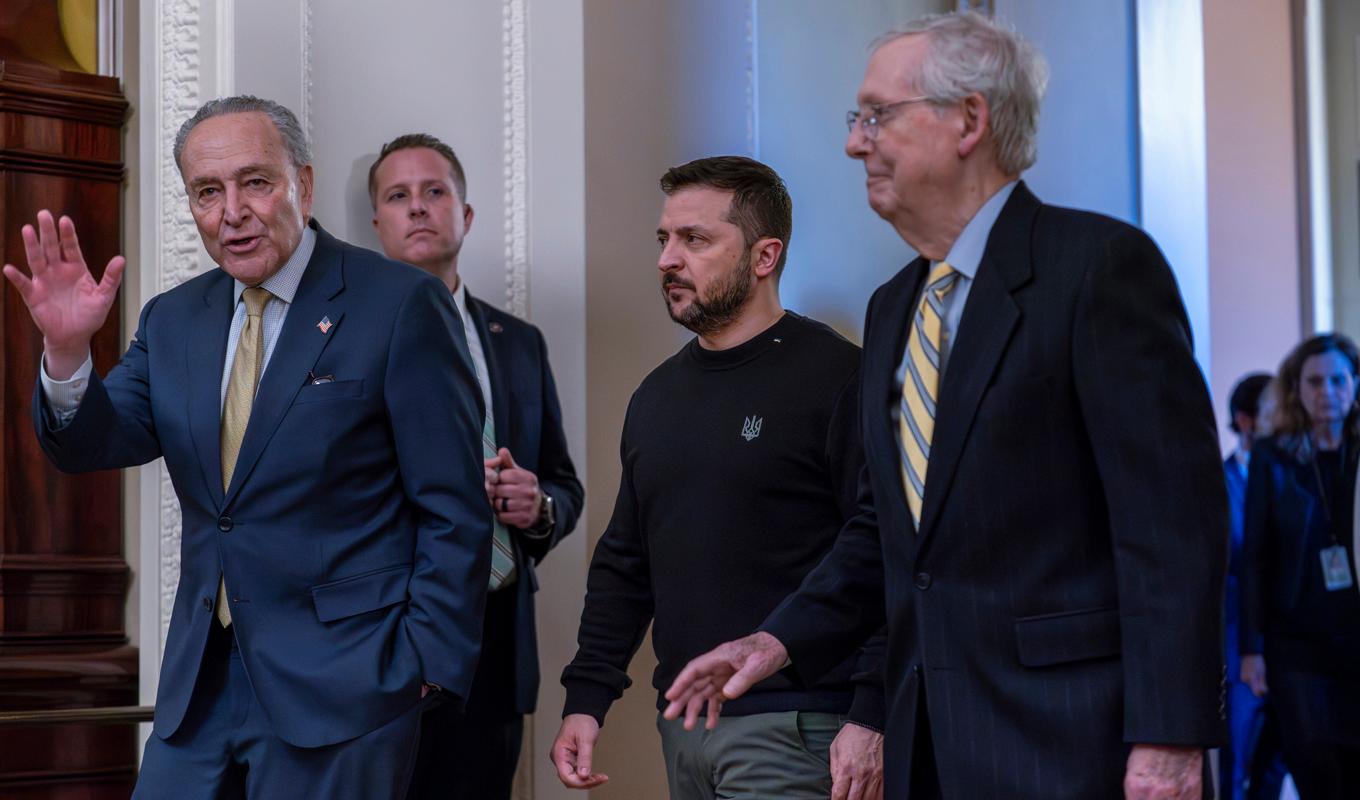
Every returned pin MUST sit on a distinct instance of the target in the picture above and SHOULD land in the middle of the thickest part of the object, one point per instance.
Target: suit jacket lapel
(296, 350)
(493, 350)
(205, 353)
(882, 360)
(985, 328)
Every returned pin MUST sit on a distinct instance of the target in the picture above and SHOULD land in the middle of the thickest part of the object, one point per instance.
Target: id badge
(1336, 568)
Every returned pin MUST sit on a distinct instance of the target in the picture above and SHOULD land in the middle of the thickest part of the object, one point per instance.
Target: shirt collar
(966, 254)
(460, 300)
(284, 283)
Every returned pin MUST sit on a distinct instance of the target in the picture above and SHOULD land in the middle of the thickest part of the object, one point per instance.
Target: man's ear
(304, 174)
(977, 123)
(765, 255)
(467, 218)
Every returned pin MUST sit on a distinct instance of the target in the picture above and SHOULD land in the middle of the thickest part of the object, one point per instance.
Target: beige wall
(1254, 279)
(648, 107)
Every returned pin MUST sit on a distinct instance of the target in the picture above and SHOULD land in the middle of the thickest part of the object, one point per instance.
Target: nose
(234, 210)
(858, 144)
(669, 260)
(416, 209)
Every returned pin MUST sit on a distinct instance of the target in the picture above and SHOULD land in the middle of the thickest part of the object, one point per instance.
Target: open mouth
(242, 244)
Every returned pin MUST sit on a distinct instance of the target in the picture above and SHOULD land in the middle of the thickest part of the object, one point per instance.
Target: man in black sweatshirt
(740, 456)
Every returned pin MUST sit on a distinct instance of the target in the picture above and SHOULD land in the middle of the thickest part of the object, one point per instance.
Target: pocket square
(315, 380)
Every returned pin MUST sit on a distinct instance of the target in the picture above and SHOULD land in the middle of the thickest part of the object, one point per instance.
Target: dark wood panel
(63, 576)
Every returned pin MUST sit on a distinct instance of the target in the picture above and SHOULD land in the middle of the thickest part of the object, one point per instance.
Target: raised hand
(723, 673)
(65, 301)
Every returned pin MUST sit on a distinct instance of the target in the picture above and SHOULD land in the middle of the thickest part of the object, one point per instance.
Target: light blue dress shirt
(965, 257)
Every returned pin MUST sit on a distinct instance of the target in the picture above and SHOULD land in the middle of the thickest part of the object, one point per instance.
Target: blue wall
(810, 57)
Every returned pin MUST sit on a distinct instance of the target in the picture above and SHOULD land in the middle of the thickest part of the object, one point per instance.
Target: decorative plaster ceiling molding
(514, 40)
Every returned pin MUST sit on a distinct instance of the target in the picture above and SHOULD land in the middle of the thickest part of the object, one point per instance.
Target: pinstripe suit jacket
(1063, 597)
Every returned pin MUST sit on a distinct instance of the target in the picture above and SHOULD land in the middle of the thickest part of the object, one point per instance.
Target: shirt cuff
(64, 397)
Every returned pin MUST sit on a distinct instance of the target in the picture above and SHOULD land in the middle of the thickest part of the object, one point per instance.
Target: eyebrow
(682, 230)
(246, 170)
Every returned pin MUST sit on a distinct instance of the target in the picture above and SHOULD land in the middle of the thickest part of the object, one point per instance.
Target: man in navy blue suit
(335, 541)
(419, 191)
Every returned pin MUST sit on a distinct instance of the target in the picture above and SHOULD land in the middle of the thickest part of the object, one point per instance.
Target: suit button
(207, 603)
(916, 668)
(923, 580)
(224, 523)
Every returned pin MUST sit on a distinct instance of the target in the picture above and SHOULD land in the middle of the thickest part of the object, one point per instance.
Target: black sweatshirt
(739, 469)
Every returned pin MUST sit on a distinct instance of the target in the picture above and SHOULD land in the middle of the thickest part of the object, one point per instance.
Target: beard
(720, 307)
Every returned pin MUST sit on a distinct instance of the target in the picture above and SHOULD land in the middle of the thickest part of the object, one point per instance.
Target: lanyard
(1322, 489)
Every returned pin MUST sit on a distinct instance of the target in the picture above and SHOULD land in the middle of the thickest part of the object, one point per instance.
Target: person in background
(1250, 765)
(1300, 625)
(420, 211)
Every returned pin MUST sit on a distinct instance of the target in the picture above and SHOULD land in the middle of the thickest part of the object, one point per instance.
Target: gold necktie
(921, 385)
(245, 378)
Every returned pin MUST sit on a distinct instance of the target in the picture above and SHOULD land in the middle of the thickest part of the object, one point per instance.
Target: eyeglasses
(874, 115)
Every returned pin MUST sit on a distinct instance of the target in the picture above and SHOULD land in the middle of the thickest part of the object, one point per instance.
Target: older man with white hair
(1044, 521)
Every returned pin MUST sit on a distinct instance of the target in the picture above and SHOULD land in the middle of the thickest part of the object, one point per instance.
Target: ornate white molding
(306, 110)
(178, 54)
(515, 45)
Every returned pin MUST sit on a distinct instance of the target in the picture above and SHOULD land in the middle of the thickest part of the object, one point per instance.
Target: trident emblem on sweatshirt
(750, 429)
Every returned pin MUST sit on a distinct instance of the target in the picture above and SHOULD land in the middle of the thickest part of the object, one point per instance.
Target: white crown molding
(307, 82)
(175, 244)
(514, 42)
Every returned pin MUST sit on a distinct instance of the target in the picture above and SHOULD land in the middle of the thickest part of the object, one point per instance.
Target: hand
(66, 303)
(573, 750)
(857, 764)
(1254, 674)
(493, 476)
(1157, 772)
(515, 495)
(723, 673)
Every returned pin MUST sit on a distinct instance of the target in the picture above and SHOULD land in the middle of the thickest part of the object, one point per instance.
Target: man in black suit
(418, 189)
(1044, 519)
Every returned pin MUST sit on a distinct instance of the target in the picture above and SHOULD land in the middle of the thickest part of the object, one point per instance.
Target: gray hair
(970, 53)
(294, 138)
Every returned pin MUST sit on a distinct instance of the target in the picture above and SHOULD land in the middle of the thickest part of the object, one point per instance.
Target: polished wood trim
(111, 715)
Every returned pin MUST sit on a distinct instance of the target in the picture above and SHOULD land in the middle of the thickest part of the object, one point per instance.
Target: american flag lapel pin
(324, 325)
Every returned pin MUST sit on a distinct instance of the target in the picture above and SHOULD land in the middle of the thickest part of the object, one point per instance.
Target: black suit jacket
(528, 423)
(1063, 597)
(1286, 612)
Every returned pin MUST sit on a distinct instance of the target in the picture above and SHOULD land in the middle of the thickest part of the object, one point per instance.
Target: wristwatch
(547, 516)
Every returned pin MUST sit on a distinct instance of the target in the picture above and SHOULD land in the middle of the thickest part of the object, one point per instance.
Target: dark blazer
(1286, 529)
(1063, 597)
(529, 423)
(354, 536)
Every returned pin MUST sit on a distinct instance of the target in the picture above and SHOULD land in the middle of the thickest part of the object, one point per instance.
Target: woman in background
(1301, 608)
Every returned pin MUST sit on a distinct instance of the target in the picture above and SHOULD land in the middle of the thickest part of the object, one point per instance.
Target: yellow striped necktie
(921, 384)
(245, 379)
